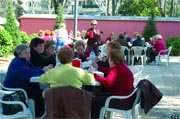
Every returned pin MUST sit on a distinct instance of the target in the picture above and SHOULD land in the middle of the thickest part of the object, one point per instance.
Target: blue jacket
(19, 73)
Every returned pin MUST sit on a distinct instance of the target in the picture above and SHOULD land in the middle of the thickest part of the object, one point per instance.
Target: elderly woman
(110, 45)
(80, 48)
(49, 52)
(119, 80)
(159, 44)
(66, 74)
(19, 73)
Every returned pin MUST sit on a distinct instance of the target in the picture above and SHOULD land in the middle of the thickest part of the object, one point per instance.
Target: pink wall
(166, 28)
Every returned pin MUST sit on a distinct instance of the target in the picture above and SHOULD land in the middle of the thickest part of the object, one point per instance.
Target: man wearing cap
(94, 37)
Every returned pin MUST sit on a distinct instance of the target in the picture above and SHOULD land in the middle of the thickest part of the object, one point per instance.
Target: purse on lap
(9, 109)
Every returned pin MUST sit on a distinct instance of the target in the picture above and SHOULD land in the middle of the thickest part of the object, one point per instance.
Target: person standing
(94, 38)
(62, 36)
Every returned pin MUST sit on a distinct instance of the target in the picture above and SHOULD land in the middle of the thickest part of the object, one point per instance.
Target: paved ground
(167, 79)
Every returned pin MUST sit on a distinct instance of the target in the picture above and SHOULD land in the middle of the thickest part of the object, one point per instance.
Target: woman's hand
(90, 70)
(95, 65)
(46, 68)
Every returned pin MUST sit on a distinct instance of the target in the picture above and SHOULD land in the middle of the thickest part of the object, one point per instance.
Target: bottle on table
(92, 56)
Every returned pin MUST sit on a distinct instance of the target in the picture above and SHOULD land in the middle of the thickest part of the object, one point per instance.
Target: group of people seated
(33, 60)
(39, 59)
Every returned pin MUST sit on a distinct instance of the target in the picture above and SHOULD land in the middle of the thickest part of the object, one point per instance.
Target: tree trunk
(107, 7)
(55, 6)
(164, 8)
(172, 8)
(113, 7)
(160, 6)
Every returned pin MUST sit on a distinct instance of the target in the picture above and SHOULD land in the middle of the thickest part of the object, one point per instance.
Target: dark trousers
(35, 93)
(94, 48)
(152, 55)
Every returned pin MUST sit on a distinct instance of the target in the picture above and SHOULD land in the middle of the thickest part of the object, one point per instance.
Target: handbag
(9, 109)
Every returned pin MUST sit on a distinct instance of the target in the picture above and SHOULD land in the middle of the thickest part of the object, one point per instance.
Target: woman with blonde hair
(159, 44)
(61, 36)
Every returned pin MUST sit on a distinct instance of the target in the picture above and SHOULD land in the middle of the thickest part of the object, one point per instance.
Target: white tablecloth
(36, 79)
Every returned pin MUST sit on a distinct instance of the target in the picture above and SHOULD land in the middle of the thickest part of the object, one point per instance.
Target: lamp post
(75, 18)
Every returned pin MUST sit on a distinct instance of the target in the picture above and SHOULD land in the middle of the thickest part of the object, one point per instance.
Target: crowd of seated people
(39, 59)
(66, 74)
(19, 73)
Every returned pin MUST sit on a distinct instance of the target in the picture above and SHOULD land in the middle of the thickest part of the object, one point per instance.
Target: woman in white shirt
(61, 36)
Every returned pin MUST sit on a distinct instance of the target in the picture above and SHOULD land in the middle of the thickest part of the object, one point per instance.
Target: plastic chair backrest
(123, 49)
(169, 50)
(137, 50)
(25, 113)
(130, 114)
(103, 48)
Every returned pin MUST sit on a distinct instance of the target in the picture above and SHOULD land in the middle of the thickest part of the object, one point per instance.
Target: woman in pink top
(159, 44)
(119, 81)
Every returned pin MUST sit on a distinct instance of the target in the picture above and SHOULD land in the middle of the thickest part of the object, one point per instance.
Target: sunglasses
(94, 24)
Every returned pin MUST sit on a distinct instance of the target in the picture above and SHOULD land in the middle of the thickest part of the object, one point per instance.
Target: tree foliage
(60, 17)
(169, 7)
(56, 3)
(6, 44)
(150, 29)
(11, 24)
(19, 11)
(175, 43)
(138, 8)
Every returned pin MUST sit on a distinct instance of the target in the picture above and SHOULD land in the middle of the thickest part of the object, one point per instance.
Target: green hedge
(6, 43)
(175, 42)
(25, 38)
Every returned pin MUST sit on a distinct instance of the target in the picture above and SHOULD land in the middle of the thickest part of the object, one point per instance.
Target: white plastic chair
(137, 52)
(137, 71)
(166, 55)
(123, 49)
(103, 49)
(124, 114)
(28, 113)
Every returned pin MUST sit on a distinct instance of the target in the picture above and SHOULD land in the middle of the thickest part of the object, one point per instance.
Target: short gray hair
(20, 48)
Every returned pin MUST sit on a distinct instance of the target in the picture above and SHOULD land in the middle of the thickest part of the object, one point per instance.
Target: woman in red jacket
(119, 80)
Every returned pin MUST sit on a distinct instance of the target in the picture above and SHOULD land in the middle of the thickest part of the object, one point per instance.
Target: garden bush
(34, 35)
(25, 38)
(6, 44)
(175, 43)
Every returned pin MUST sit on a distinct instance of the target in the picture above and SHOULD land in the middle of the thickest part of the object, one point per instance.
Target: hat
(94, 22)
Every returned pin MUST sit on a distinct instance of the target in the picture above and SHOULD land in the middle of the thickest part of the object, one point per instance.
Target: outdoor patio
(167, 79)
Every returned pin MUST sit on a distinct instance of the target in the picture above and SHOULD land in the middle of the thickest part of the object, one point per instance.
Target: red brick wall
(167, 28)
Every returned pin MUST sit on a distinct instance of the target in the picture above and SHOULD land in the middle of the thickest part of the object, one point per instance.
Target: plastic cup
(76, 63)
